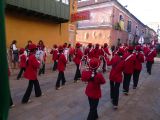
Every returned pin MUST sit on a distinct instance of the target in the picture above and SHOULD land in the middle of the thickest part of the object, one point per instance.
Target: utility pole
(4, 83)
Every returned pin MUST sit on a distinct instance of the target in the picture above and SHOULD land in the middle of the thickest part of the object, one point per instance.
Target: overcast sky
(147, 11)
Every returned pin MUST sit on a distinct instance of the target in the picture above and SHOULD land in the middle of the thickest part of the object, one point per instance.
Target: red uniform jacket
(130, 61)
(145, 50)
(78, 56)
(71, 51)
(61, 63)
(93, 89)
(150, 55)
(31, 70)
(96, 53)
(22, 61)
(106, 51)
(89, 52)
(54, 54)
(139, 61)
(117, 68)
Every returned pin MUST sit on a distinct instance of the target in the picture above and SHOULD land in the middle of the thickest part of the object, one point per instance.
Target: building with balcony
(109, 22)
(47, 20)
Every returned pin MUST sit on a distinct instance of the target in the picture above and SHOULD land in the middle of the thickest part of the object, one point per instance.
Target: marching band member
(77, 59)
(129, 59)
(71, 52)
(88, 51)
(93, 90)
(105, 53)
(22, 62)
(54, 53)
(62, 61)
(96, 52)
(138, 65)
(146, 49)
(150, 58)
(116, 76)
(31, 74)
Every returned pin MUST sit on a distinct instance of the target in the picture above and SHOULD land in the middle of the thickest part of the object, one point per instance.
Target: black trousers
(70, 58)
(60, 78)
(42, 70)
(11, 102)
(78, 73)
(20, 73)
(37, 89)
(93, 103)
(126, 82)
(136, 77)
(55, 65)
(104, 65)
(114, 92)
(149, 66)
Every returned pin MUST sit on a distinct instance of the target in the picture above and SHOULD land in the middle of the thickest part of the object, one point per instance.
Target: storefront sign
(85, 15)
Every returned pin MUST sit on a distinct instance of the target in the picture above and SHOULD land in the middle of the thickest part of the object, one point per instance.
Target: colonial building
(109, 22)
(47, 20)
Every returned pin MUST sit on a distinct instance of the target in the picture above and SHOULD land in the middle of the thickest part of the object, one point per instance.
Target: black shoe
(134, 87)
(112, 100)
(58, 88)
(125, 93)
(26, 102)
(115, 107)
(63, 84)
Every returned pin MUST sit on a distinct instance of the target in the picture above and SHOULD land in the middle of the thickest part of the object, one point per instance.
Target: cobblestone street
(70, 102)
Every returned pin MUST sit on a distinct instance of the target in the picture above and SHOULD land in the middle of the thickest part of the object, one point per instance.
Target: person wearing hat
(54, 53)
(77, 59)
(150, 58)
(97, 52)
(88, 50)
(22, 62)
(62, 61)
(93, 90)
(115, 76)
(105, 53)
(71, 52)
(130, 61)
(138, 65)
(31, 74)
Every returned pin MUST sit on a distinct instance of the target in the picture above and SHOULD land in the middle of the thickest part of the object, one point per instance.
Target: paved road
(70, 103)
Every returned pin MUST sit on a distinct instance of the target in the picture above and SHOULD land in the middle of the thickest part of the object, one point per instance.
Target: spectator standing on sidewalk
(41, 53)
(14, 53)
